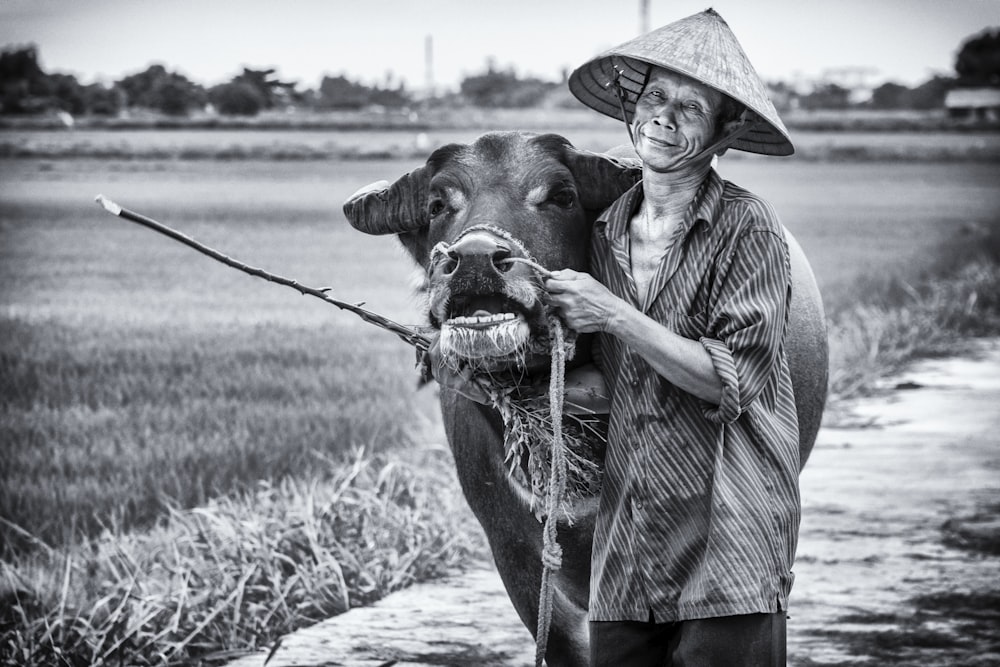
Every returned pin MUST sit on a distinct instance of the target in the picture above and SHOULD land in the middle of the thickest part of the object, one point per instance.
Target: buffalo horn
(601, 179)
(397, 208)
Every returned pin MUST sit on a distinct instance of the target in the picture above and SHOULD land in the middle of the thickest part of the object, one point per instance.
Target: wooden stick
(414, 338)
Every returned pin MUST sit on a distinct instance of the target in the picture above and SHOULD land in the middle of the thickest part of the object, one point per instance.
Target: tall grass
(209, 584)
(893, 321)
(103, 427)
(169, 499)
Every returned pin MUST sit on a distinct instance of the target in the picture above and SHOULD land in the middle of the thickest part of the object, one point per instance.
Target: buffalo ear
(601, 179)
(391, 209)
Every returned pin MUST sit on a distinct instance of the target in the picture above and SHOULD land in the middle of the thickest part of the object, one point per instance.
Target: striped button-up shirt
(700, 505)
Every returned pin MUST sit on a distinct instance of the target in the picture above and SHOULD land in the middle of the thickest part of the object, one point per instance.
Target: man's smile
(659, 142)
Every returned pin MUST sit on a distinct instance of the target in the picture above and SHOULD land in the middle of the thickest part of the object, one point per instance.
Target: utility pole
(429, 65)
(643, 17)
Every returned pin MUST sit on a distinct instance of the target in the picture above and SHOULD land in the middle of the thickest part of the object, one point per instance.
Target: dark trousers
(753, 640)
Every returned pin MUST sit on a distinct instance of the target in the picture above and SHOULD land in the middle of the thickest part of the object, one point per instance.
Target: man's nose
(666, 116)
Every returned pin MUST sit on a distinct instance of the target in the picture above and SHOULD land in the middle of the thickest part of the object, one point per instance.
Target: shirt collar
(704, 206)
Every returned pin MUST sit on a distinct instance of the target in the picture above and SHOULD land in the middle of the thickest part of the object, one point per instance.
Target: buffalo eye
(435, 207)
(563, 197)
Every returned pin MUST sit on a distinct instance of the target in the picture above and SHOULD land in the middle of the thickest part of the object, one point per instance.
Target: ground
(897, 561)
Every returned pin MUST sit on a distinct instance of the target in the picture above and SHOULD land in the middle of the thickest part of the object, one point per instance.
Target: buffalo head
(472, 212)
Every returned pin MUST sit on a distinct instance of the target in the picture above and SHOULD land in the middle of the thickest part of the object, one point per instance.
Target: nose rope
(551, 550)
(555, 491)
(443, 249)
(538, 268)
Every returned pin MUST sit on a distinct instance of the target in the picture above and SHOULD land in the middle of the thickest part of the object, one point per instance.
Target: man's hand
(585, 304)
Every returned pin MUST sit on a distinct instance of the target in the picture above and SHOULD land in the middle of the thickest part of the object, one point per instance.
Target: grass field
(122, 344)
(138, 378)
(135, 370)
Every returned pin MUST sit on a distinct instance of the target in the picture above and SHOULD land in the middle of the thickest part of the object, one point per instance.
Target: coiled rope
(551, 551)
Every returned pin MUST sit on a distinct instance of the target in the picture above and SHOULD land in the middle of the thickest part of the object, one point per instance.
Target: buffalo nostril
(501, 259)
(450, 262)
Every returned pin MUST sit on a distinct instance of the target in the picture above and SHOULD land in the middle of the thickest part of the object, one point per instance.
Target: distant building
(981, 103)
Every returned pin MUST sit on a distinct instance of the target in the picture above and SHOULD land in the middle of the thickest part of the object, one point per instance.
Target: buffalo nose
(478, 251)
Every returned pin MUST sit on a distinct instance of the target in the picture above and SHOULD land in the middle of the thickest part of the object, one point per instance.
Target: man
(699, 513)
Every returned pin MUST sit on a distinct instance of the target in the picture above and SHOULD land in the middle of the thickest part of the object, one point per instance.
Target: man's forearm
(683, 362)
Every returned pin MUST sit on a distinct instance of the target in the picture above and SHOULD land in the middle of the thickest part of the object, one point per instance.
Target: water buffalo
(463, 216)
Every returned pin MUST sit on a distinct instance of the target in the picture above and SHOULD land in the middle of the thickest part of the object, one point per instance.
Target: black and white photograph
(578, 333)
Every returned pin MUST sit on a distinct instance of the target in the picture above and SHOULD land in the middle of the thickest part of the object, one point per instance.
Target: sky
(384, 41)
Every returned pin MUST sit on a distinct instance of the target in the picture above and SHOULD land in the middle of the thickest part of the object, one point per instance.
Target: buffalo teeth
(501, 338)
(482, 319)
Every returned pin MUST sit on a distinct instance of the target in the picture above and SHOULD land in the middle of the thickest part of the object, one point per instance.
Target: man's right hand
(585, 304)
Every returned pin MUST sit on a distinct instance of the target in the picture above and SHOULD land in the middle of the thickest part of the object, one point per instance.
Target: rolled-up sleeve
(748, 321)
(728, 409)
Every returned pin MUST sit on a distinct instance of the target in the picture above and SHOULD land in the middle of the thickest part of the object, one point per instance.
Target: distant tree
(168, 92)
(103, 100)
(23, 87)
(138, 87)
(66, 93)
(891, 96)
(337, 92)
(978, 60)
(236, 98)
(931, 94)
(496, 88)
(390, 97)
(177, 96)
(270, 91)
(827, 96)
(20, 63)
(26, 88)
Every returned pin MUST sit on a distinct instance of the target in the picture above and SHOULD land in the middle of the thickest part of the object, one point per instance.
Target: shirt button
(638, 504)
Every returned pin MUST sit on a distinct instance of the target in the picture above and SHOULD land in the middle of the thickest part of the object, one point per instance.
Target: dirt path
(898, 560)
(899, 550)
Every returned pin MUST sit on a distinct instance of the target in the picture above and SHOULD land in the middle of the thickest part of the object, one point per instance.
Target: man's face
(675, 118)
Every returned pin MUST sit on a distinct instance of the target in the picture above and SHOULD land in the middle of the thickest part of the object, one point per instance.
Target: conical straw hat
(702, 47)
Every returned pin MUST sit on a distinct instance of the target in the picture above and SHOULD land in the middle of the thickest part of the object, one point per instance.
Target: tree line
(26, 89)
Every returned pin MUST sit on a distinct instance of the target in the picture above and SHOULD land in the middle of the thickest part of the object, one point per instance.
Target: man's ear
(728, 128)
